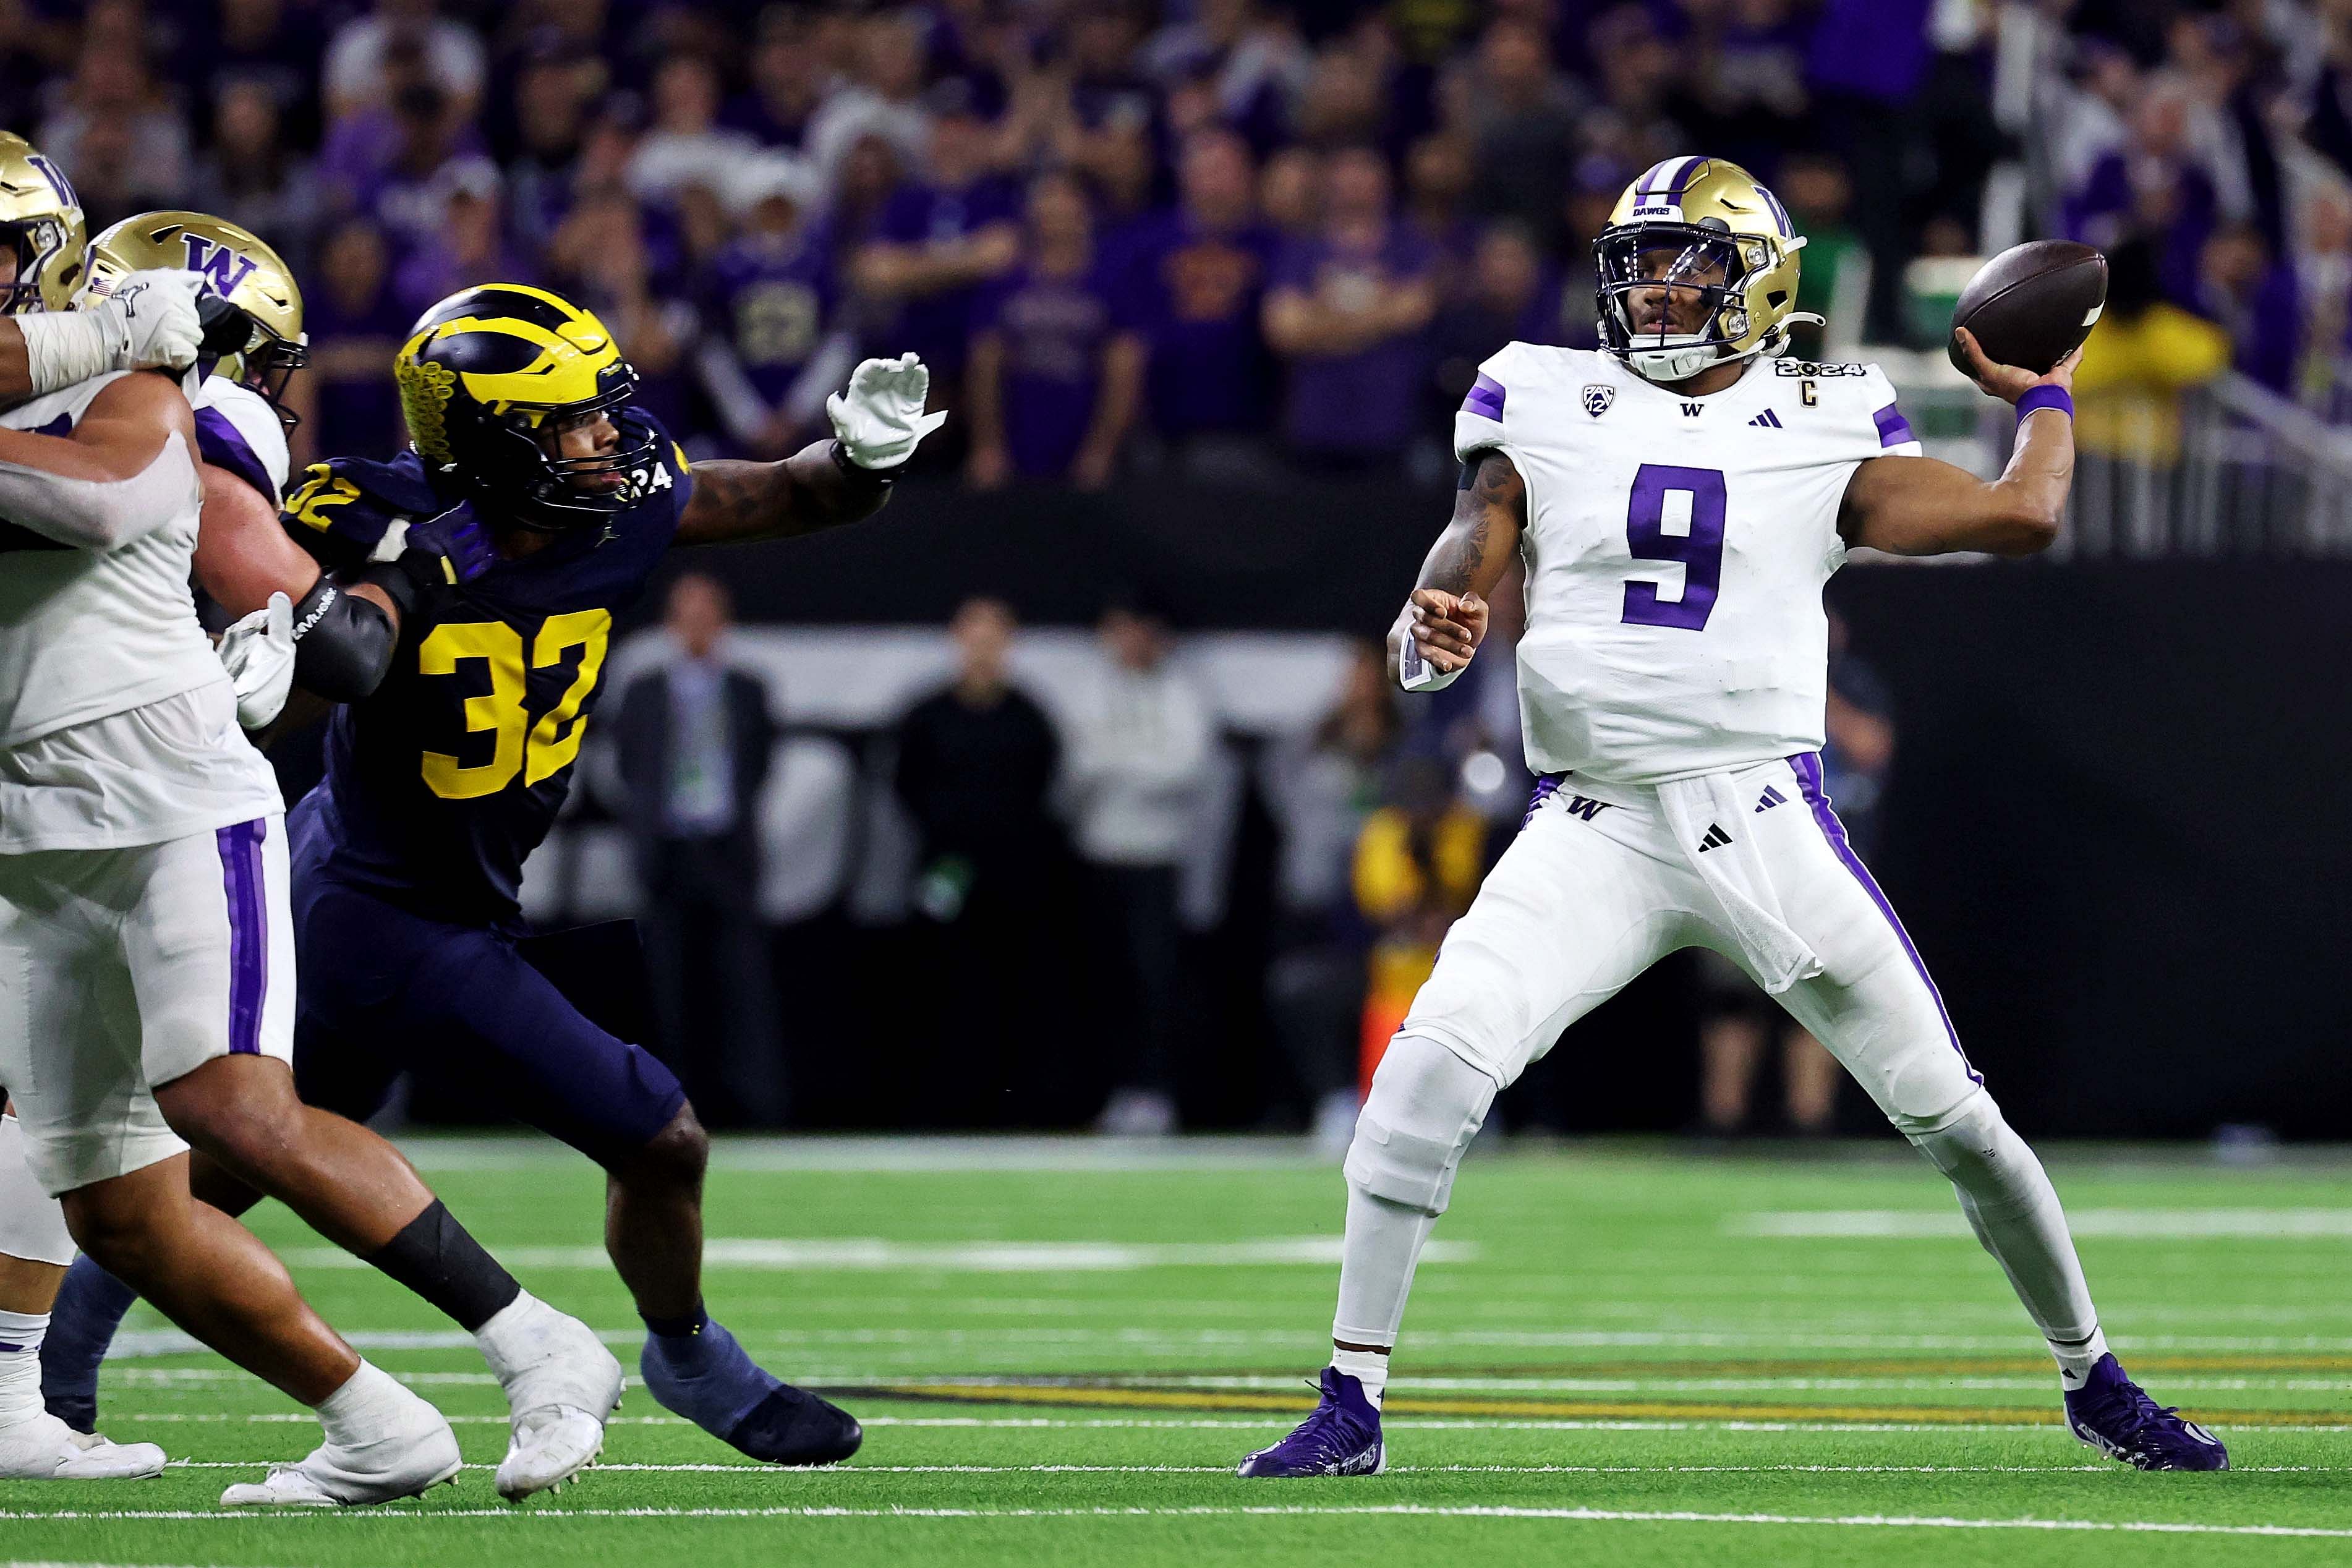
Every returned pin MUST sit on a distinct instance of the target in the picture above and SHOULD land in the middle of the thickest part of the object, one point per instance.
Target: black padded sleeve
(342, 644)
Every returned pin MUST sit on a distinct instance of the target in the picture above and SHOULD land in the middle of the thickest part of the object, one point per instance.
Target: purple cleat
(2111, 1413)
(1341, 1439)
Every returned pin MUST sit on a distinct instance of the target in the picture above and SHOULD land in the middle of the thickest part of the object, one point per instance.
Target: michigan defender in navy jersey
(547, 500)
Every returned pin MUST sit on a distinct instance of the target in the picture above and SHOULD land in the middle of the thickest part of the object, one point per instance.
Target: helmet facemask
(1675, 262)
(550, 493)
(36, 244)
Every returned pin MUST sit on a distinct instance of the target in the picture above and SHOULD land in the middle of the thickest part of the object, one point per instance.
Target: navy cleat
(1341, 1439)
(704, 1375)
(2111, 1414)
(793, 1427)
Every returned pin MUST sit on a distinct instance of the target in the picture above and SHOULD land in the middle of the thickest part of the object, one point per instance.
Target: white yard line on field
(1269, 1422)
(171, 1341)
(1393, 1511)
(2137, 1224)
(771, 1472)
(812, 1254)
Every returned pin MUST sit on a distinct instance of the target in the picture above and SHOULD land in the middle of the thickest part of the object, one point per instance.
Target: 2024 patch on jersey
(1676, 548)
(442, 782)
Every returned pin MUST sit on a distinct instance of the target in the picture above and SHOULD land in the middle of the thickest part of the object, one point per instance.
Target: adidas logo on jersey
(1769, 798)
(1769, 420)
(1716, 838)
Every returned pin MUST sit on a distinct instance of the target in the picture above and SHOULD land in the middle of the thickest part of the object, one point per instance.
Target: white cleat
(404, 1463)
(44, 1448)
(561, 1383)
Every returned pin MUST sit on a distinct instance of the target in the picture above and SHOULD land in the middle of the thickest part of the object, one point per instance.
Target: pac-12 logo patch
(1598, 397)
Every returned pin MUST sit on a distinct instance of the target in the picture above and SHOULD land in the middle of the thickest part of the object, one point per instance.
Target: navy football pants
(383, 992)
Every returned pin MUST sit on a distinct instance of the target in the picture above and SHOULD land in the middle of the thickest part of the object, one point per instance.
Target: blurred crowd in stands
(1188, 231)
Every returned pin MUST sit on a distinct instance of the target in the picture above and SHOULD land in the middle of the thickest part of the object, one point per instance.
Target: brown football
(2032, 305)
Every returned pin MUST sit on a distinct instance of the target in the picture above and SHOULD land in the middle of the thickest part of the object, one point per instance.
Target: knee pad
(1426, 1106)
(32, 1223)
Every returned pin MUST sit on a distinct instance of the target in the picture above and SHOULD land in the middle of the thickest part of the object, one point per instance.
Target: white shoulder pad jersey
(1675, 548)
(84, 634)
(237, 430)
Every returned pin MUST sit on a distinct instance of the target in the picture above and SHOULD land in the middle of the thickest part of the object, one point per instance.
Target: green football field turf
(1615, 1353)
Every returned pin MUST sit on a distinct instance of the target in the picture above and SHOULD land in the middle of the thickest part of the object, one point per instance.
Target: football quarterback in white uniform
(1679, 498)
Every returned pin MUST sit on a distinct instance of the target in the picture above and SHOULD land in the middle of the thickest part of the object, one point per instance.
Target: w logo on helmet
(225, 267)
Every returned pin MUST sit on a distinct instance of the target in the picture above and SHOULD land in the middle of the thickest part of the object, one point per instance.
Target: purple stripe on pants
(249, 931)
(1808, 766)
(1544, 788)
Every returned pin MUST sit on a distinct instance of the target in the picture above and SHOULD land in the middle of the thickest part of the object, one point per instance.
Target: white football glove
(150, 319)
(880, 419)
(259, 654)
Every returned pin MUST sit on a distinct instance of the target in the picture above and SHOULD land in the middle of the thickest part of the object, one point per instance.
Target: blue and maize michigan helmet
(489, 372)
(1708, 224)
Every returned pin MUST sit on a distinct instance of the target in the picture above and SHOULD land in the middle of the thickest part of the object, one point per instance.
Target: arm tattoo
(1496, 487)
(806, 493)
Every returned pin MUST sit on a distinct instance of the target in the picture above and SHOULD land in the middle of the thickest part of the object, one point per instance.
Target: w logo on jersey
(217, 262)
(1598, 397)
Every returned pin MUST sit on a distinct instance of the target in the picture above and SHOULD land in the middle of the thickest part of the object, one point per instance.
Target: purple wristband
(2056, 397)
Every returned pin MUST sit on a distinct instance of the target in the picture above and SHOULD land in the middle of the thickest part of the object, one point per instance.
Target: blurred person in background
(976, 764)
(1291, 193)
(1739, 1020)
(2321, 245)
(1418, 863)
(600, 260)
(686, 146)
(2144, 353)
(789, 79)
(1139, 737)
(251, 177)
(2255, 301)
(356, 325)
(1199, 286)
(1820, 198)
(1056, 378)
(1321, 789)
(885, 98)
(936, 244)
(265, 43)
(383, 165)
(1524, 128)
(355, 71)
(1438, 171)
(694, 740)
(2154, 188)
(1349, 312)
(1510, 294)
(467, 245)
(118, 134)
(775, 340)
(553, 94)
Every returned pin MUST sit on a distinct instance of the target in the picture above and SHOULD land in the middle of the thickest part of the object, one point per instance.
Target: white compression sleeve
(62, 347)
(32, 1223)
(103, 514)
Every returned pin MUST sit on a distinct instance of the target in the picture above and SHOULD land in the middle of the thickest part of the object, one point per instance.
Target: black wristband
(873, 478)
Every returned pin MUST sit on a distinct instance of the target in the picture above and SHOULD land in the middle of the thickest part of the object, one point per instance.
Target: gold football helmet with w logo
(41, 221)
(242, 271)
(1702, 224)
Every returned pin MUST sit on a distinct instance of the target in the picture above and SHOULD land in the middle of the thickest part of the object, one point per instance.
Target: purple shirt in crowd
(774, 302)
(358, 417)
(1055, 332)
(938, 326)
(1366, 403)
(1197, 295)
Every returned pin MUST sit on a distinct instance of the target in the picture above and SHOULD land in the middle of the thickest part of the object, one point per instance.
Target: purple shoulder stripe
(1486, 398)
(1893, 428)
(221, 443)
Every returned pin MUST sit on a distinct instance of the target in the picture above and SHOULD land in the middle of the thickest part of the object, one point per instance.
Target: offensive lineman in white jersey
(139, 832)
(1679, 498)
